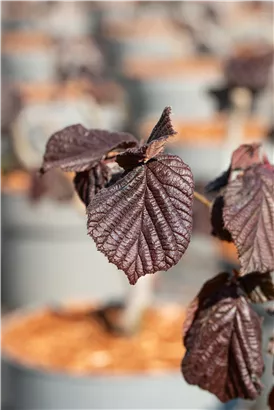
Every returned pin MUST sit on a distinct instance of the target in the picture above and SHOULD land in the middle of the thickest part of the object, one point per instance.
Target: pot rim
(9, 360)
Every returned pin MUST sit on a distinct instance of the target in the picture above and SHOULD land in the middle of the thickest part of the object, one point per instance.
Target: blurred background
(116, 65)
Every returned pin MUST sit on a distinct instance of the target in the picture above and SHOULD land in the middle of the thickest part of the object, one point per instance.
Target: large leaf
(223, 346)
(249, 217)
(143, 222)
(78, 149)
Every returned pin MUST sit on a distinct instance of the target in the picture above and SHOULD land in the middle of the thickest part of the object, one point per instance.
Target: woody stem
(202, 199)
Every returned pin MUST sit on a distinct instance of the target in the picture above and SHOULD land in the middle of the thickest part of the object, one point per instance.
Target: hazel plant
(139, 204)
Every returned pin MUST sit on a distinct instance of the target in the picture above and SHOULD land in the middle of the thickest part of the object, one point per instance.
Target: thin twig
(202, 199)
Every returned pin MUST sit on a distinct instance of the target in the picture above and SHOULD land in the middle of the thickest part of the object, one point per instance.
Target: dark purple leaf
(143, 222)
(78, 149)
(249, 217)
(131, 158)
(89, 183)
(217, 220)
(223, 346)
(259, 288)
(54, 185)
(245, 156)
(163, 128)
(209, 288)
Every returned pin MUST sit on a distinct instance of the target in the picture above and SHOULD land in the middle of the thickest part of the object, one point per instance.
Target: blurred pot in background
(47, 256)
(74, 362)
(249, 66)
(28, 56)
(143, 37)
(68, 19)
(180, 83)
(64, 104)
(80, 57)
(10, 107)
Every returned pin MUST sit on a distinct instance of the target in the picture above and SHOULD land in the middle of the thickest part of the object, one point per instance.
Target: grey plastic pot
(119, 50)
(27, 388)
(37, 64)
(47, 255)
(187, 95)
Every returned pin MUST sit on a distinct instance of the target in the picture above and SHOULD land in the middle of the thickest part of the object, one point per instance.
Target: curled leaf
(223, 346)
(164, 127)
(259, 288)
(249, 217)
(78, 149)
(88, 183)
(217, 220)
(143, 222)
(131, 158)
(245, 156)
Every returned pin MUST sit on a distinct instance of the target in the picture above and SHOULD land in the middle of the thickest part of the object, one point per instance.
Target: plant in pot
(139, 213)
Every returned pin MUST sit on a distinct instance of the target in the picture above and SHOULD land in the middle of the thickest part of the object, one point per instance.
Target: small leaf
(143, 222)
(217, 220)
(223, 346)
(259, 288)
(163, 128)
(249, 217)
(89, 183)
(75, 148)
(131, 158)
(246, 156)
